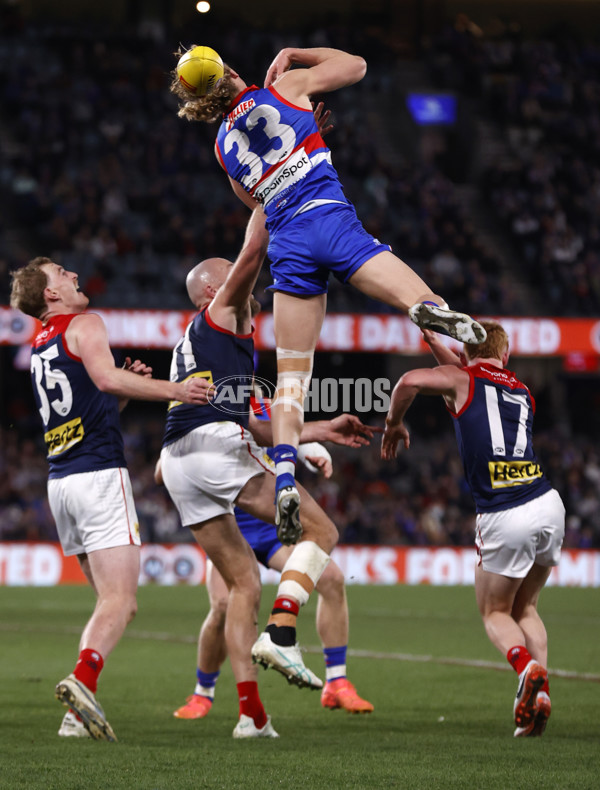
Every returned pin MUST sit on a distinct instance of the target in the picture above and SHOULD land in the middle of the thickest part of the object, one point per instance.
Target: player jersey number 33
(270, 146)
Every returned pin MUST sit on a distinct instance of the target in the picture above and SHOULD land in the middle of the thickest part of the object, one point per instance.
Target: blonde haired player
(270, 147)
(520, 517)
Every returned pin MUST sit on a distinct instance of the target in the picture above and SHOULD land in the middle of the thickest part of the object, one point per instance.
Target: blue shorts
(261, 536)
(328, 239)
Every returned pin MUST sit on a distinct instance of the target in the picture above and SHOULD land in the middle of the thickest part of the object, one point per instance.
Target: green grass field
(439, 722)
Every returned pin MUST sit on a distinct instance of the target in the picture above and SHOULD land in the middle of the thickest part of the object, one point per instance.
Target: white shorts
(205, 470)
(510, 541)
(94, 510)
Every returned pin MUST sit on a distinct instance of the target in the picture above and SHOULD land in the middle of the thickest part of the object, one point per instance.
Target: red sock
(546, 687)
(88, 667)
(250, 704)
(518, 657)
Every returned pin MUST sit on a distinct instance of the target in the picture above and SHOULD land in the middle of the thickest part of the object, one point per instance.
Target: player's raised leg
(386, 278)
(297, 325)
(276, 647)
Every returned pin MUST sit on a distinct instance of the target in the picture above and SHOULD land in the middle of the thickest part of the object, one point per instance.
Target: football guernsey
(81, 423)
(493, 430)
(223, 358)
(274, 150)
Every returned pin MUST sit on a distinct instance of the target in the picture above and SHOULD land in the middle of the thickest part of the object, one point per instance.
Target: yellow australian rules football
(199, 70)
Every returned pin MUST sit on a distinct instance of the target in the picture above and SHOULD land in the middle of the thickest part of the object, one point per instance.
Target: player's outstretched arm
(449, 381)
(87, 338)
(347, 429)
(327, 70)
(441, 352)
(233, 295)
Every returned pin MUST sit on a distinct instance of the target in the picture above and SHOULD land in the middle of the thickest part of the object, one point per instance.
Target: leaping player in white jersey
(270, 146)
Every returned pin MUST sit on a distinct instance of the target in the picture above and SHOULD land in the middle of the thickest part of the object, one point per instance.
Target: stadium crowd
(420, 500)
(98, 169)
(544, 98)
(101, 172)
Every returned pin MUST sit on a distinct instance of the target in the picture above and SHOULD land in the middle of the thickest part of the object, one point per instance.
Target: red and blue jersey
(81, 423)
(274, 150)
(493, 430)
(223, 358)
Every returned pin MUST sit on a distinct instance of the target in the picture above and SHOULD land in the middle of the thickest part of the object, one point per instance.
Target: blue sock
(435, 304)
(206, 683)
(335, 662)
(285, 456)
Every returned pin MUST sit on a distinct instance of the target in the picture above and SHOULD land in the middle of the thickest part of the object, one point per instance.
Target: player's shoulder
(292, 89)
(87, 321)
(453, 372)
(85, 326)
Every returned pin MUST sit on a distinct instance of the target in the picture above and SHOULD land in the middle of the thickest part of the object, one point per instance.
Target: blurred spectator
(421, 500)
(544, 95)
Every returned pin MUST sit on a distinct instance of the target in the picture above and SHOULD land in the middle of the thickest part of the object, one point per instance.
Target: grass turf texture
(435, 725)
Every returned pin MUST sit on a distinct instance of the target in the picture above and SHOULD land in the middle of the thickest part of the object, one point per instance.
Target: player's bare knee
(324, 534)
(131, 608)
(248, 584)
(331, 584)
(218, 609)
(491, 607)
(524, 611)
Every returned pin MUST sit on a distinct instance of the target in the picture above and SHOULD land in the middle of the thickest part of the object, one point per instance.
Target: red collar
(238, 98)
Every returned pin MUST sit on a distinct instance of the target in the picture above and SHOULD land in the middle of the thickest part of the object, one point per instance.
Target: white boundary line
(164, 636)
(461, 662)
